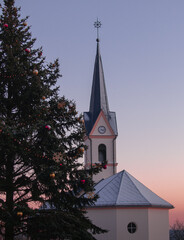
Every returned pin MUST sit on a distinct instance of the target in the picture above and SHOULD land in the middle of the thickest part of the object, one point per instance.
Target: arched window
(102, 153)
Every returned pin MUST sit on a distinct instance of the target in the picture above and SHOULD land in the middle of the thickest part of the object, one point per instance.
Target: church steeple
(100, 124)
(99, 100)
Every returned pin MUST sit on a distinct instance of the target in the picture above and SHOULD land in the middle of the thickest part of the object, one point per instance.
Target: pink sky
(143, 57)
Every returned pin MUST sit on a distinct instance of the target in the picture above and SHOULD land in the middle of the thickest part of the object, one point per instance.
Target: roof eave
(131, 206)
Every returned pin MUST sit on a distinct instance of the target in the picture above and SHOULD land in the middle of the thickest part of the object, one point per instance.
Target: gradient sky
(142, 48)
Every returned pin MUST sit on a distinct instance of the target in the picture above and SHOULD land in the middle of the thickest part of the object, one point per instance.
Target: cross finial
(97, 25)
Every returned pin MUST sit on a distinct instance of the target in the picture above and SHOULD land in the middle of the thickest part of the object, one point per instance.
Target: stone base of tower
(109, 171)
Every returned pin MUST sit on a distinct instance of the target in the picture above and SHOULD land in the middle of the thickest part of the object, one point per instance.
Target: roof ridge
(137, 187)
(121, 182)
(113, 177)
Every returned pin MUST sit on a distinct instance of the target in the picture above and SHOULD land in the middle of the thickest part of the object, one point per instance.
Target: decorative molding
(103, 136)
(108, 164)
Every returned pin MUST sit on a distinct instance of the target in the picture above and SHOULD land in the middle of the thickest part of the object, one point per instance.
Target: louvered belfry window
(102, 153)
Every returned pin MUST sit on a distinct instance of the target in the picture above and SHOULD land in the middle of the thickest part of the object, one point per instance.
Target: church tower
(100, 124)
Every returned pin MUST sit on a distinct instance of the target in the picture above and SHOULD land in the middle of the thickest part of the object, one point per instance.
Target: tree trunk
(9, 225)
(9, 233)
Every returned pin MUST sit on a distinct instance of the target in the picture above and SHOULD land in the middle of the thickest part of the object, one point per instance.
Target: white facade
(151, 223)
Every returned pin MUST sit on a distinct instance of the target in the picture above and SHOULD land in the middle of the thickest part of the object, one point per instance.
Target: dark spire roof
(99, 100)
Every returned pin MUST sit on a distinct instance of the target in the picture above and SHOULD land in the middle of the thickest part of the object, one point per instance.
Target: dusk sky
(142, 48)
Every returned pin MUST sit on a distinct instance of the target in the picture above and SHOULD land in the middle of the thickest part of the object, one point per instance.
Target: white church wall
(94, 144)
(117, 220)
(104, 174)
(87, 160)
(109, 148)
(106, 219)
(151, 224)
(115, 167)
(109, 154)
(158, 224)
(132, 215)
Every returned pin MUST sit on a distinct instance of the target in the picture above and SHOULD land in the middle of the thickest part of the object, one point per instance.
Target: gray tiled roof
(122, 189)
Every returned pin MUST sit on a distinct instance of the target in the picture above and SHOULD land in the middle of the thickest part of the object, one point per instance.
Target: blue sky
(142, 48)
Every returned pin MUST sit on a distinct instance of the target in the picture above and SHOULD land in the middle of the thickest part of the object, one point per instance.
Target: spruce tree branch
(23, 170)
(22, 197)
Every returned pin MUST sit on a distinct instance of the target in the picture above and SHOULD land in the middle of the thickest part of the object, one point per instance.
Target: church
(126, 208)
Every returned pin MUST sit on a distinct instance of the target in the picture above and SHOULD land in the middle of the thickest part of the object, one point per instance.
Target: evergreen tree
(41, 139)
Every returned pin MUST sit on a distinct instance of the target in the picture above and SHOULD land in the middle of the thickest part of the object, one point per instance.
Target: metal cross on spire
(97, 25)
